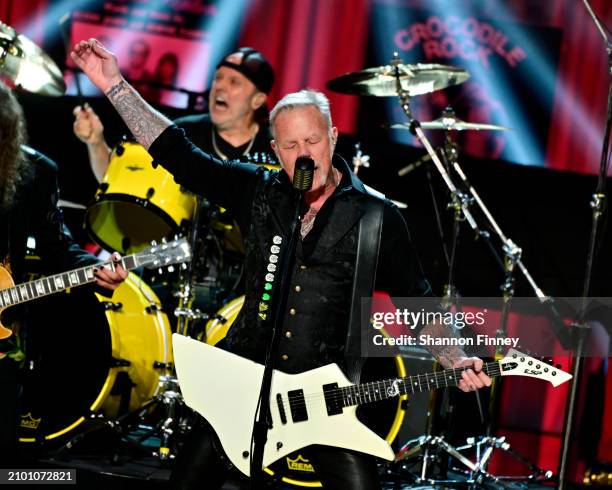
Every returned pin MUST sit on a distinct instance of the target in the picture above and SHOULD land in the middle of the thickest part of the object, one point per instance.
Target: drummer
(236, 126)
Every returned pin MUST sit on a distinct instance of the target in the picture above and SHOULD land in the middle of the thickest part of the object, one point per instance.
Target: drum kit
(119, 374)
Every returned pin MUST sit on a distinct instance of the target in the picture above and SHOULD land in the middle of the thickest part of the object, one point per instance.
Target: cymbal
(453, 124)
(417, 79)
(23, 64)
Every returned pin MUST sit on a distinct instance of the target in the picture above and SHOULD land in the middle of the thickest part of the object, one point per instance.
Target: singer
(328, 256)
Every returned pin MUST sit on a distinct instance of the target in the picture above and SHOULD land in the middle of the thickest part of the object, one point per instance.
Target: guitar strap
(368, 246)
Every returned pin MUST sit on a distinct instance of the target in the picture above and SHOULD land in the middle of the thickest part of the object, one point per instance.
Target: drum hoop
(130, 200)
(106, 387)
(144, 289)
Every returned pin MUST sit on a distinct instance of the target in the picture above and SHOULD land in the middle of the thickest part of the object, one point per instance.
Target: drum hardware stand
(184, 311)
(169, 397)
(360, 159)
(580, 328)
(477, 470)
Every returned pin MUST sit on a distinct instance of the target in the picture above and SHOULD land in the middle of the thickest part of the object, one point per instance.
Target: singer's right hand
(87, 125)
(99, 64)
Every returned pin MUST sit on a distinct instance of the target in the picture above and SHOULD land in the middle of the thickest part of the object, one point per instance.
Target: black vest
(319, 302)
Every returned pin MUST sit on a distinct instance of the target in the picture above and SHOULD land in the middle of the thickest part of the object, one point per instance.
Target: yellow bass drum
(385, 419)
(136, 203)
(92, 354)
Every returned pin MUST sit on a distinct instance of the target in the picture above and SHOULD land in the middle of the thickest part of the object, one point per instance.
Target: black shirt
(199, 129)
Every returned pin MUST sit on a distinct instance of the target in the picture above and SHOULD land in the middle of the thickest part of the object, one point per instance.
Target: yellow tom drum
(136, 203)
(385, 418)
(93, 355)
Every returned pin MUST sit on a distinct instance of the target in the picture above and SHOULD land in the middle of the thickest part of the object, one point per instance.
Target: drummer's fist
(99, 64)
(111, 278)
(87, 125)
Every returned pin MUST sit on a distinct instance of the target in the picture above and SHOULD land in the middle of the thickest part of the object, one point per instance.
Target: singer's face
(303, 132)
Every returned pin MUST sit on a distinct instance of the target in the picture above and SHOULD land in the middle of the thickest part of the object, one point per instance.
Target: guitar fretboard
(58, 282)
(390, 388)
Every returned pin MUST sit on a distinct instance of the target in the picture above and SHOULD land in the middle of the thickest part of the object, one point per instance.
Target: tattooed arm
(454, 357)
(101, 67)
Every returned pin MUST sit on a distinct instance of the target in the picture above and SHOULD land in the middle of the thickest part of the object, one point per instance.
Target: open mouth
(220, 103)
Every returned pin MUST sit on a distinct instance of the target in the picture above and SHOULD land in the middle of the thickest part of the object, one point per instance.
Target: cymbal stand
(580, 327)
(477, 471)
(427, 444)
(485, 445)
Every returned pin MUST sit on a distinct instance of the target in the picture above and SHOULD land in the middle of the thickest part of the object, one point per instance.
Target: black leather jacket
(319, 304)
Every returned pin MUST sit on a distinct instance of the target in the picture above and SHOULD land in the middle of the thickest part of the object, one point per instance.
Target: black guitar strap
(368, 246)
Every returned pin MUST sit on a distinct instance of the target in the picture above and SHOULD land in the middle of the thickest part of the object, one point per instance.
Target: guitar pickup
(297, 405)
(281, 408)
(333, 400)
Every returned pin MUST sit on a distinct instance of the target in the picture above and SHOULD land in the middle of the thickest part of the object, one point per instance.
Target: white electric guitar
(314, 407)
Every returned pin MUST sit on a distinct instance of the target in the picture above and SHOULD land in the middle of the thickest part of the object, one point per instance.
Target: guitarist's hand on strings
(111, 277)
(473, 377)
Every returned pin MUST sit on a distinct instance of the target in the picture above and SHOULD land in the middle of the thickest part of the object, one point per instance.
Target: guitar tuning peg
(183, 267)
(160, 271)
(154, 243)
(170, 269)
(164, 240)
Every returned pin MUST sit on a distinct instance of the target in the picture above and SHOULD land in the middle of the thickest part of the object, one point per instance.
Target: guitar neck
(391, 388)
(60, 282)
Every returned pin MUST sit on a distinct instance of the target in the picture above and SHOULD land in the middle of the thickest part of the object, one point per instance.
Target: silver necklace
(223, 155)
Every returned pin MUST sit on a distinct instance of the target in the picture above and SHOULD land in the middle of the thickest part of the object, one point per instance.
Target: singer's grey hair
(303, 98)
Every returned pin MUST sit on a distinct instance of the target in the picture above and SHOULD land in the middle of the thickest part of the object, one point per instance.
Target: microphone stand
(581, 328)
(302, 181)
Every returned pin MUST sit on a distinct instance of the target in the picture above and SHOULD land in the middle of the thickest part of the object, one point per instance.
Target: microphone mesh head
(303, 174)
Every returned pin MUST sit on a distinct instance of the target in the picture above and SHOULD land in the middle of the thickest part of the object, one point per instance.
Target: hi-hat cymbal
(416, 79)
(25, 65)
(453, 124)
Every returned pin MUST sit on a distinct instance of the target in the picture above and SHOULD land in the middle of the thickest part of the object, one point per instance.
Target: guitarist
(28, 208)
(316, 321)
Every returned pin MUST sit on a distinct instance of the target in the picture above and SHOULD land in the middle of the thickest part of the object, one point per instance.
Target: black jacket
(36, 218)
(319, 304)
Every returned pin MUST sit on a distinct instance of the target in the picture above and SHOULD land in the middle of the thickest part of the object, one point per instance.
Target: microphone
(303, 174)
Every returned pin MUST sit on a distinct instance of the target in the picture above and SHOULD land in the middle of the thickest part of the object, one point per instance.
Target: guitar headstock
(518, 364)
(164, 254)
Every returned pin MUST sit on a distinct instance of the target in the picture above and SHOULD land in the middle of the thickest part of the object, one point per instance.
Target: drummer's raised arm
(101, 67)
